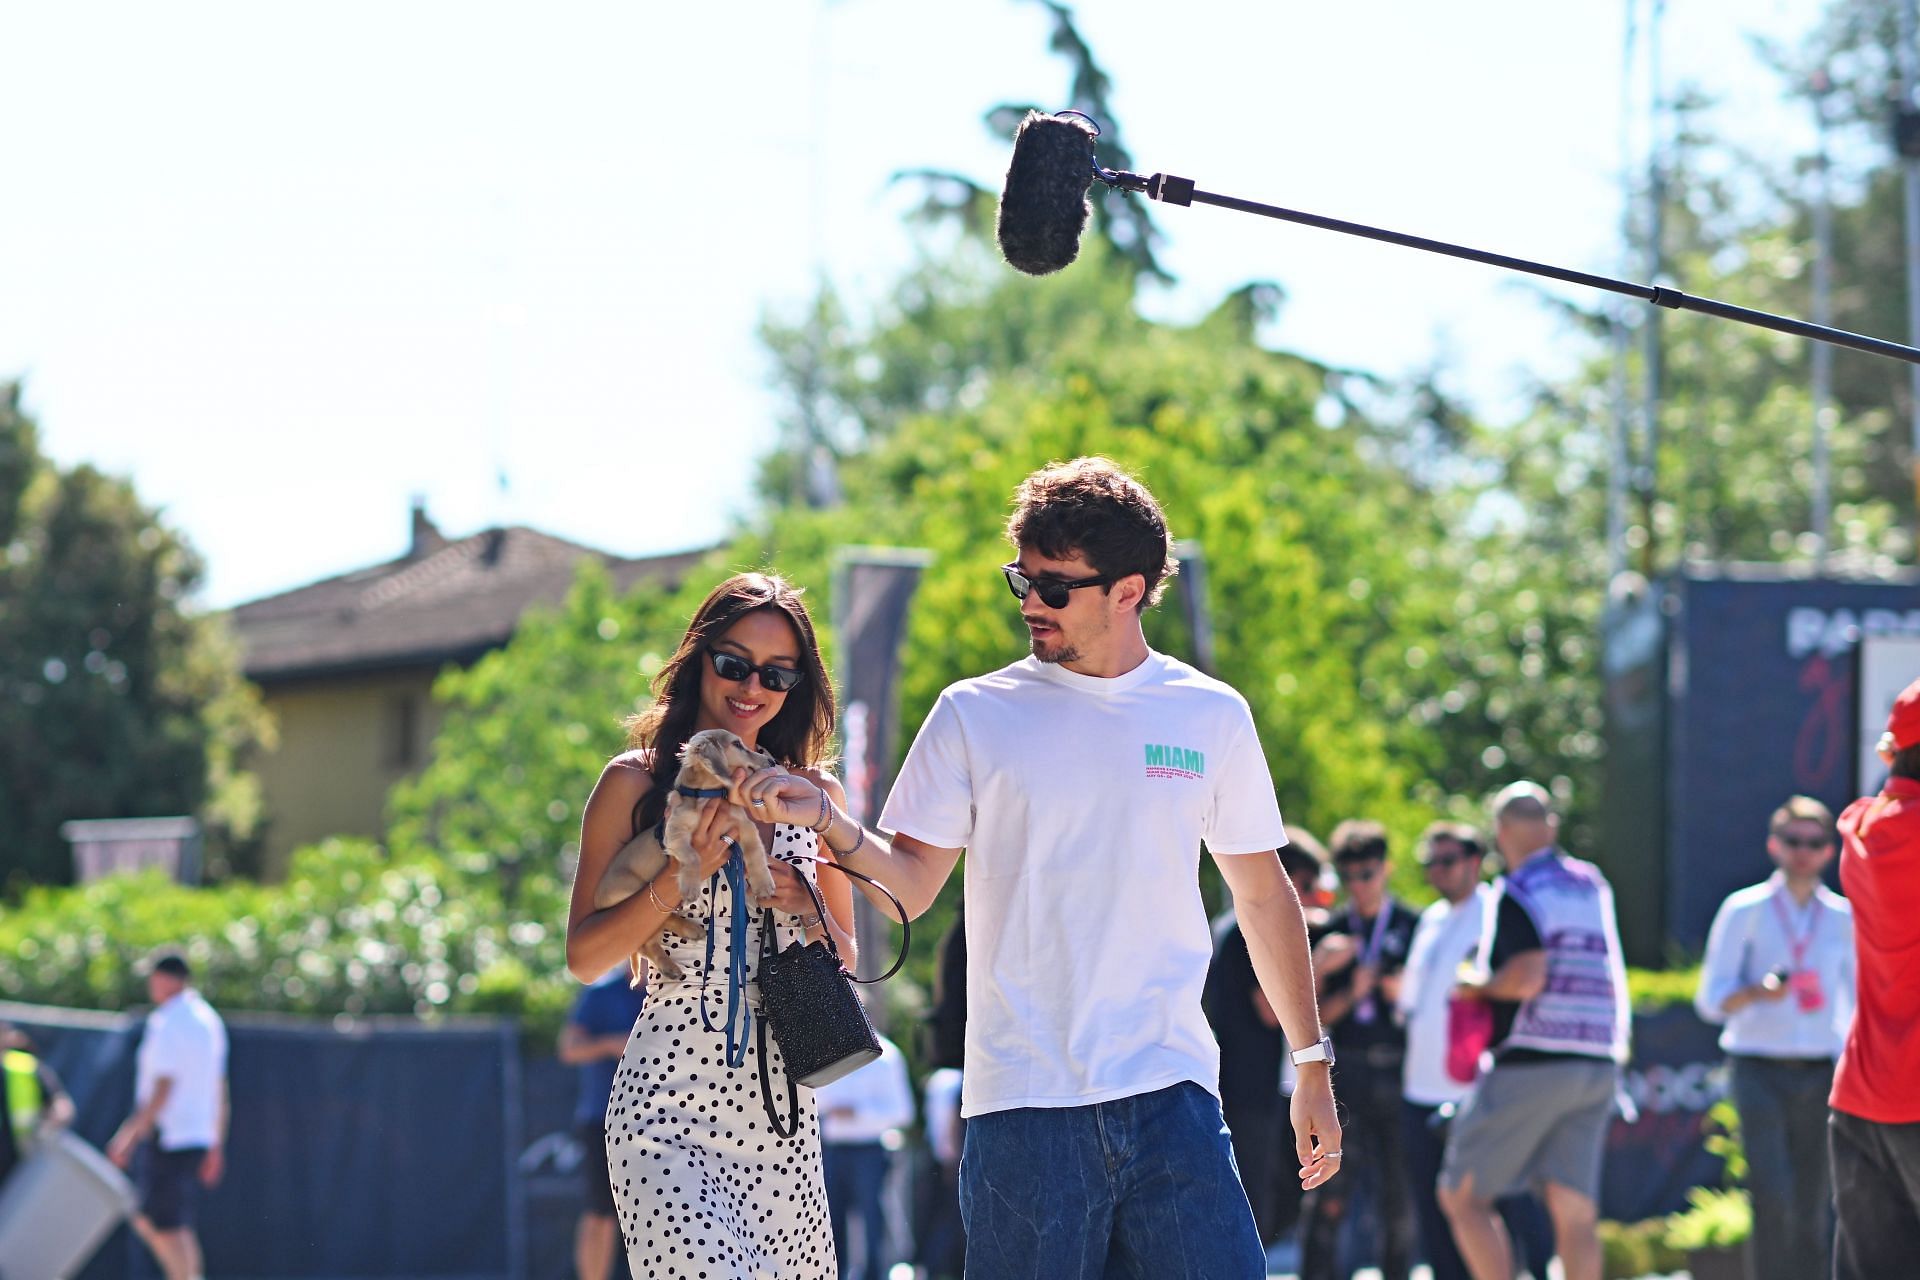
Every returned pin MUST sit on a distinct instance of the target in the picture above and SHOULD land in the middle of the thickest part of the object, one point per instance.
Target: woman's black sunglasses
(1052, 591)
(731, 666)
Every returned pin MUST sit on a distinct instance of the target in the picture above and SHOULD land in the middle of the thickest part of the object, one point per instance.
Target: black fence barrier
(386, 1149)
(380, 1148)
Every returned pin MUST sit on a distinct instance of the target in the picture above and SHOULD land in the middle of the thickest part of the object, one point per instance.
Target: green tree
(1372, 639)
(527, 729)
(116, 698)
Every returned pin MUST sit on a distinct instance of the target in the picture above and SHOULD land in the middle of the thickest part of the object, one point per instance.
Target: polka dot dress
(705, 1189)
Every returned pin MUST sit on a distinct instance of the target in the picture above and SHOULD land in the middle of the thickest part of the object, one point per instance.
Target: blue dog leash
(739, 1018)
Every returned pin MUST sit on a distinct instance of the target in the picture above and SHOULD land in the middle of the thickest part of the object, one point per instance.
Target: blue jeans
(1141, 1187)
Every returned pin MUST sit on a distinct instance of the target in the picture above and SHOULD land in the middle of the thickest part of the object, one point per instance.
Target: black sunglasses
(731, 666)
(1805, 842)
(1350, 874)
(1052, 591)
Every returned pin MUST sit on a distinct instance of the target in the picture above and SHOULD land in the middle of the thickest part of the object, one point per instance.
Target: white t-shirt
(186, 1043)
(1447, 934)
(1082, 803)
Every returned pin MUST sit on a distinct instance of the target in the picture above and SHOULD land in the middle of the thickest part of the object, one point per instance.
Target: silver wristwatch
(1319, 1051)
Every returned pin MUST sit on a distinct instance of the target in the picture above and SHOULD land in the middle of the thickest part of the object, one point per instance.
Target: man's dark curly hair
(1090, 507)
(1906, 764)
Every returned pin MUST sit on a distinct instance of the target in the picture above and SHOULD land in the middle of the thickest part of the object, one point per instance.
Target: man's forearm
(137, 1126)
(1276, 933)
(1521, 978)
(913, 871)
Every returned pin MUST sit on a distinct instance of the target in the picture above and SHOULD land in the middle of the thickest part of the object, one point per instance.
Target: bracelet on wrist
(847, 853)
(824, 822)
(664, 908)
(810, 922)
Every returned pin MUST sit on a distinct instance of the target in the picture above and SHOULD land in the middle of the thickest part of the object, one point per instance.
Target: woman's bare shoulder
(628, 775)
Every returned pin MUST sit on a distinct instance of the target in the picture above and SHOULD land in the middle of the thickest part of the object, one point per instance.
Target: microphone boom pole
(1180, 191)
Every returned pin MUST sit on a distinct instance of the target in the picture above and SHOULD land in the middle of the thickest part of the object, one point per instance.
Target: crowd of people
(1476, 1093)
(1128, 1089)
(1125, 1069)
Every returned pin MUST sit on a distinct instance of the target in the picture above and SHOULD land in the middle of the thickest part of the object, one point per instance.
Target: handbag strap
(767, 944)
(906, 928)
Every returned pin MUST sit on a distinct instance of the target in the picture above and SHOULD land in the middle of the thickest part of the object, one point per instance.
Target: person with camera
(1779, 974)
(1874, 1132)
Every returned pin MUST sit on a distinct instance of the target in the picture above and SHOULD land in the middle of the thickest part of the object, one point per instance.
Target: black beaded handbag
(808, 1002)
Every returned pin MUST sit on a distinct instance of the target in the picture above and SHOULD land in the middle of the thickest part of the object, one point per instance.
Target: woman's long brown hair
(800, 733)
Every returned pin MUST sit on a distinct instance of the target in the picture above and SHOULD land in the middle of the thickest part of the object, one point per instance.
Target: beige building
(346, 665)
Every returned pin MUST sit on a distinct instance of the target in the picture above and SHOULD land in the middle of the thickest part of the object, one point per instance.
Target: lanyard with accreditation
(1802, 981)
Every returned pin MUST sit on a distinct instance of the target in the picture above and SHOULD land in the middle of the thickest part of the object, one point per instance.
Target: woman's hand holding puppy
(789, 895)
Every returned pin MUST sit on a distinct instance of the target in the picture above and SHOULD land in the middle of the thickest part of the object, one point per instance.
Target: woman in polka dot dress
(706, 1190)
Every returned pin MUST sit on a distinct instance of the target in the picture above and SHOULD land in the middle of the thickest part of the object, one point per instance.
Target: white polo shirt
(1082, 804)
(186, 1043)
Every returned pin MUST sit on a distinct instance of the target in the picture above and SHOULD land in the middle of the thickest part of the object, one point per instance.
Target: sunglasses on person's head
(731, 666)
(1053, 592)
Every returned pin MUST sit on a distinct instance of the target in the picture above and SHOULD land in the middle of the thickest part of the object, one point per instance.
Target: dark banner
(382, 1149)
(1676, 1076)
(873, 589)
(1762, 680)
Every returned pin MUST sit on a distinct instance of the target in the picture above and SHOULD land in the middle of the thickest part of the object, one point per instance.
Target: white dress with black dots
(705, 1189)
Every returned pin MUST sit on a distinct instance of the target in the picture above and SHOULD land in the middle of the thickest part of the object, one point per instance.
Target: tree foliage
(350, 932)
(116, 699)
(1410, 600)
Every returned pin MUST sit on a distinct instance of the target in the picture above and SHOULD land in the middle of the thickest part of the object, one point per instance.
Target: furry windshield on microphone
(1044, 208)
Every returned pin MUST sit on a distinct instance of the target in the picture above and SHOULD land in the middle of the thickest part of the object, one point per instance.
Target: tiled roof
(451, 601)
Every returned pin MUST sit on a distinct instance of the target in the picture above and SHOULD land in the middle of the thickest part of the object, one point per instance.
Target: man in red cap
(1874, 1137)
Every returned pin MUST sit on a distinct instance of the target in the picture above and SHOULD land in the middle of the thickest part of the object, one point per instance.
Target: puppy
(707, 763)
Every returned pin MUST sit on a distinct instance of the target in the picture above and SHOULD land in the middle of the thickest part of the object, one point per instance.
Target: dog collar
(700, 793)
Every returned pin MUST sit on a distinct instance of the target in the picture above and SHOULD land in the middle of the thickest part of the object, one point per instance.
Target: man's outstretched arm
(1270, 916)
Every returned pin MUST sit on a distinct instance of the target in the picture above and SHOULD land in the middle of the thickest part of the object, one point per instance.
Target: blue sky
(286, 265)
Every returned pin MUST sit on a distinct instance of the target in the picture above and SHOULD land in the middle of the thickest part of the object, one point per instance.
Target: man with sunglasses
(1779, 973)
(1358, 959)
(1082, 782)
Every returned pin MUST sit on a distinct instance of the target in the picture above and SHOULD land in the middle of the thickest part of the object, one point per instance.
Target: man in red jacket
(1874, 1135)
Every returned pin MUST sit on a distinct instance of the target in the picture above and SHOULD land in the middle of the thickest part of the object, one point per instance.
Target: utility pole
(1620, 404)
(1907, 142)
(1823, 412)
(1647, 477)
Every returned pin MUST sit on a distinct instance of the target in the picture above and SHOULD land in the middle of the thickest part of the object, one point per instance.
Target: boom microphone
(1044, 208)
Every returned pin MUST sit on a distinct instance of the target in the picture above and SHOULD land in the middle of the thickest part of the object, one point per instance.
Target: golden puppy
(707, 763)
